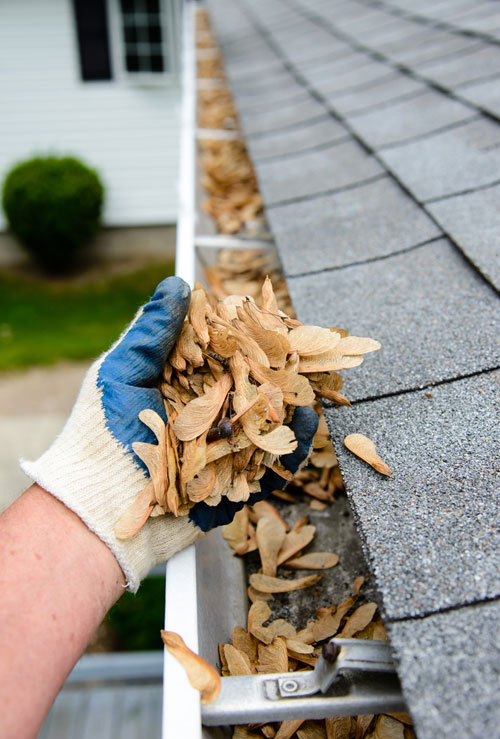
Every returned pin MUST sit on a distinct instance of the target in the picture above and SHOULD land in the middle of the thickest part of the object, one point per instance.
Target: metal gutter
(205, 585)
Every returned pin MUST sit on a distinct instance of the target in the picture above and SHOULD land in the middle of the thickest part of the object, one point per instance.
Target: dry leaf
(365, 449)
(312, 730)
(363, 724)
(201, 674)
(389, 728)
(201, 486)
(256, 595)
(358, 582)
(358, 620)
(273, 657)
(295, 388)
(136, 515)
(328, 361)
(198, 308)
(154, 456)
(354, 345)
(245, 642)
(270, 534)
(309, 340)
(404, 717)
(313, 561)
(243, 732)
(237, 661)
(298, 647)
(198, 415)
(264, 508)
(288, 728)
(260, 612)
(338, 728)
(295, 541)
(328, 624)
(235, 533)
(267, 584)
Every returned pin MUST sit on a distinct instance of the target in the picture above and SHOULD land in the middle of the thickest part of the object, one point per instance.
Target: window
(144, 40)
(144, 43)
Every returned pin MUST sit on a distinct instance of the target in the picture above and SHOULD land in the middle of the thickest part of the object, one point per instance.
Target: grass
(134, 623)
(41, 323)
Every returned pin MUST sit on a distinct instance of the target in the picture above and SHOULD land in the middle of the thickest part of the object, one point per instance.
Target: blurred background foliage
(44, 321)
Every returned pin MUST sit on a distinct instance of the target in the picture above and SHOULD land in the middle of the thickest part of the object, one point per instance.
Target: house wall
(128, 132)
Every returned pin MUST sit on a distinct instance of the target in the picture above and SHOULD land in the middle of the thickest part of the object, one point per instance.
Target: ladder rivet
(330, 651)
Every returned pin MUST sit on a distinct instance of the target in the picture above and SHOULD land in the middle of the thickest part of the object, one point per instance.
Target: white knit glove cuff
(98, 481)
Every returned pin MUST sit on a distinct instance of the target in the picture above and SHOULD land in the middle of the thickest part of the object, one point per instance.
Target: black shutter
(93, 39)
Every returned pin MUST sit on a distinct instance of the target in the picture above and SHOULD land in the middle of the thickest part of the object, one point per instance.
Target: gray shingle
(264, 65)
(448, 162)
(409, 119)
(364, 223)
(315, 172)
(325, 70)
(286, 95)
(348, 80)
(282, 116)
(405, 301)
(464, 68)
(437, 45)
(378, 94)
(473, 222)
(485, 95)
(303, 137)
(432, 530)
(449, 664)
(309, 56)
(262, 85)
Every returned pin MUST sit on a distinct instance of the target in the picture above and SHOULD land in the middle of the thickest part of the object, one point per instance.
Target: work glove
(92, 468)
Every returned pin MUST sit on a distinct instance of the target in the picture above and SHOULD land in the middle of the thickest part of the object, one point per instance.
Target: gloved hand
(92, 468)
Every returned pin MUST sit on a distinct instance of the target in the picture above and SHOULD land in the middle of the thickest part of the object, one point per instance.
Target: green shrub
(53, 205)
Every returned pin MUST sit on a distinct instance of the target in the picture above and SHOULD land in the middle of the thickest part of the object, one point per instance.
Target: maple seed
(223, 430)
(365, 449)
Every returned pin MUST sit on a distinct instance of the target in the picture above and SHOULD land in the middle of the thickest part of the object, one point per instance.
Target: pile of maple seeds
(276, 645)
(228, 177)
(219, 441)
(267, 645)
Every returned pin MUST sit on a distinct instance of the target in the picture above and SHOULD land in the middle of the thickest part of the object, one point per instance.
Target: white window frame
(171, 13)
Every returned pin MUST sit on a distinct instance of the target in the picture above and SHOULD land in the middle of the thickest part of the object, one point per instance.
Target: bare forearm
(57, 582)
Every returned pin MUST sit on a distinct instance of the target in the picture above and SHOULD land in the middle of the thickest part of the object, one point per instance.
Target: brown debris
(365, 449)
(201, 674)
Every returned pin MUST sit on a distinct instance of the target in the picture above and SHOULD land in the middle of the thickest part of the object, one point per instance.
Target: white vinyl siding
(128, 132)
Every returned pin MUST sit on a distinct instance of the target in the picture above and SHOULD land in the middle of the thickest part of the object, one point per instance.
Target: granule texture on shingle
(298, 139)
(282, 116)
(449, 665)
(314, 172)
(432, 530)
(449, 162)
(434, 315)
(473, 222)
(247, 69)
(484, 94)
(378, 95)
(409, 119)
(346, 81)
(434, 45)
(285, 95)
(464, 68)
(261, 86)
(366, 222)
(326, 72)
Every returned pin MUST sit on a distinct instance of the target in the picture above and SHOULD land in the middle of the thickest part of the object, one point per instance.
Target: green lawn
(43, 322)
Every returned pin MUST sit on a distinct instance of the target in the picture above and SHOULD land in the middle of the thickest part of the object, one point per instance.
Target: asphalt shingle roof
(377, 149)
